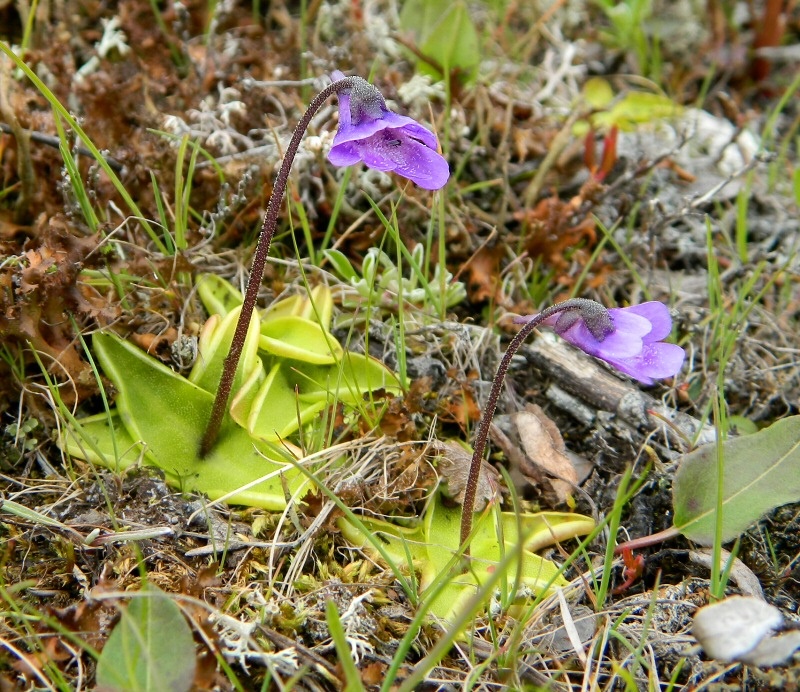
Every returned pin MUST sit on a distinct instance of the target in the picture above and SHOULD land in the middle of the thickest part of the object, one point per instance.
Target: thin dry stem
(257, 272)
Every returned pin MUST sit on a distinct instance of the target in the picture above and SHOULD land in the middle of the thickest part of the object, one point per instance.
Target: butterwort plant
(369, 132)
(629, 339)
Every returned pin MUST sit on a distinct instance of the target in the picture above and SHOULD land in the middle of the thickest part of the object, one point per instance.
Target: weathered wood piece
(585, 388)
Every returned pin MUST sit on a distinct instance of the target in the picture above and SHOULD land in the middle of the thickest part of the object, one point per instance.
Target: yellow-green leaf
(219, 296)
(168, 414)
(299, 338)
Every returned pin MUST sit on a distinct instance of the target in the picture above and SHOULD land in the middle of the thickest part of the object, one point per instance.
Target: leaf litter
(548, 227)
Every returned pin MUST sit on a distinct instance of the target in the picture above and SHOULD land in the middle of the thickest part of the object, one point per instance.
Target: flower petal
(413, 129)
(627, 321)
(368, 127)
(393, 150)
(345, 154)
(655, 362)
(658, 315)
(621, 343)
(344, 105)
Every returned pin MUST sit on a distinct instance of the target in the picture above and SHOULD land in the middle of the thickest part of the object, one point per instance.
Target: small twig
(259, 262)
(433, 62)
(24, 165)
(55, 142)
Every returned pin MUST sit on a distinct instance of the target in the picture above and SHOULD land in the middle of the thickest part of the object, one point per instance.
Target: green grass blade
(352, 677)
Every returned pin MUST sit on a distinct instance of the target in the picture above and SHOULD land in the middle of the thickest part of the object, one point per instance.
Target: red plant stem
(647, 541)
(769, 34)
(488, 412)
(257, 272)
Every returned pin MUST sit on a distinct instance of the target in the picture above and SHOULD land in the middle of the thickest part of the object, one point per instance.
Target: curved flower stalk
(368, 131)
(627, 338)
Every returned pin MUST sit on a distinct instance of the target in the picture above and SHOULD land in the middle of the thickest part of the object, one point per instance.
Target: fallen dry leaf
(541, 457)
(483, 271)
(453, 465)
(372, 674)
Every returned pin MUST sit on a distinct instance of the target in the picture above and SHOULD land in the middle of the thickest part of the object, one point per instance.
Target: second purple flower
(629, 338)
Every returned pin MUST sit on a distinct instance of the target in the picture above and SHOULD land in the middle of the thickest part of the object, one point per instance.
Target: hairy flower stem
(259, 262)
(482, 435)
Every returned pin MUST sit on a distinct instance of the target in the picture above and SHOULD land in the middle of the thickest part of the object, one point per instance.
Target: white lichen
(113, 39)
(212, 123)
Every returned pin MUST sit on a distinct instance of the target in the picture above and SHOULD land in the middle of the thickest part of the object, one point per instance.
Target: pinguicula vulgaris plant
(630, 339)
(368, 132)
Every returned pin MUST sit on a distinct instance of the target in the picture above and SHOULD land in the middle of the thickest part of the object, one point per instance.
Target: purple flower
(630, 338)
(370, 132)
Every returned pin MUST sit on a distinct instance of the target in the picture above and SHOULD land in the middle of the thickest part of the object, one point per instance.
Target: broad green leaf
(346, 381)
(742, 425)
(421, 17)
(102, 440)
(635, 108)
(150, 650)
(444, 32)
(543, 529)
(218, 296)
(168, 414)
(317, 306)
(400, 542)
(299, 338)
(288, 307)
(432, 544)
(242, 401)
(627, 113)
(276, 410)
(761, 472)
(489, 545)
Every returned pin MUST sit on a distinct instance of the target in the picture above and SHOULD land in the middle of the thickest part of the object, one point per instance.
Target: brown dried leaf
(372, 674)
(397, 421)
(545, 447)
(545, 456)
(156, 344)
(556, 228)
(460, 406)
(483, 270)
(453, 465)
